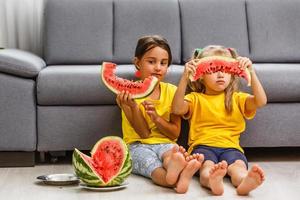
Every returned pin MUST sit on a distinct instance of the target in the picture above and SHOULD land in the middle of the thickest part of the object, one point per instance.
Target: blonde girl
(216, 111)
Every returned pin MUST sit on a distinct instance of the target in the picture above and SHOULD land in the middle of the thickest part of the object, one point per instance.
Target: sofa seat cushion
(82, 84)
(280, 81)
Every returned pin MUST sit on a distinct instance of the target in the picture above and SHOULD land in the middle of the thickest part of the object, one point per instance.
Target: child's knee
(238, 164)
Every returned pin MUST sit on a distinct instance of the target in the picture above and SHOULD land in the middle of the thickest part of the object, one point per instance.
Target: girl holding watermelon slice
(148, 125)
(216, 112)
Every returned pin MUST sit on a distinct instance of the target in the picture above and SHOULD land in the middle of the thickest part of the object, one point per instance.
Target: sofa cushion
(274, 30)
(82, 85)
(135, 18)
(78, 33)
(208, 22)
(280, 81)
(275, 125)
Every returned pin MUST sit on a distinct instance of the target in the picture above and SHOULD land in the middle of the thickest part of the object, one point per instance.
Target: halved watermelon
(213, 64)
(137, 89)
(109, 165)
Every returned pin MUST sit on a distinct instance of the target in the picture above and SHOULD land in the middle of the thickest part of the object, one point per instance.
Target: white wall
(20, 24)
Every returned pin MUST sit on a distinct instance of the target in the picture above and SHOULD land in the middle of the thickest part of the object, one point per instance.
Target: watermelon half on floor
(213, 64)
(137, 89)
(109, 164)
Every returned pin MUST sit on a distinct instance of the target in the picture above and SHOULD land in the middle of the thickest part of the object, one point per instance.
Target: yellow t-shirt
(210, 125)
(163, 108)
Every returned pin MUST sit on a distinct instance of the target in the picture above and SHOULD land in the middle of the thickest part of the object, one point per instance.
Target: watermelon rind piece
(137, 89)
(212, 64)
(86, 172)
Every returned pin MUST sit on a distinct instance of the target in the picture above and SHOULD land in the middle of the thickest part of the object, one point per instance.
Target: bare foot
(175, 166)
(182, 150)
(193, 165)
(216, 175)
(254, 178)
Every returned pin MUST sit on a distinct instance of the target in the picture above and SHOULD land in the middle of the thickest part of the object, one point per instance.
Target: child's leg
(254, 178)
(211, 176)
(237, 171)
(244, 180)
(147, 163)
(193, 165)
(158, 176)
(174, 162)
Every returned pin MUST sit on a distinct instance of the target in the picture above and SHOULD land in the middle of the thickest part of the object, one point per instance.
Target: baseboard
(17, 159)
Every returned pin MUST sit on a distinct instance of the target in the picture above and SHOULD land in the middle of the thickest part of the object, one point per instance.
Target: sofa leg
(42, 156)
(17, 159)
(54, 155)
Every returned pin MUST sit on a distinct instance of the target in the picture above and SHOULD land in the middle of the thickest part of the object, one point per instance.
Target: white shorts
(147, 157)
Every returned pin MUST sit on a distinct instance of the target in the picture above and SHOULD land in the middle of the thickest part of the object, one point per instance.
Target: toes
(189, 158)
(186, 154)
(175, 148)
(213, 169)
(224, 164)
(182, 149)
(200, 157)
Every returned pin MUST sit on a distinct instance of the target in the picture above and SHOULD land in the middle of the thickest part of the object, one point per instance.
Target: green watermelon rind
(88, 176)
(84, 171)
(151, 87)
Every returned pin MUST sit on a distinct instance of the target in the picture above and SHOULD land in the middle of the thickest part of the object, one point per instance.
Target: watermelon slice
(137, 89)
(109, 165)
(213, 64)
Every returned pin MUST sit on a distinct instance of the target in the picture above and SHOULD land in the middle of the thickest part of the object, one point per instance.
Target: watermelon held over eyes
(109, 164)
(213, 64)
(137, 89)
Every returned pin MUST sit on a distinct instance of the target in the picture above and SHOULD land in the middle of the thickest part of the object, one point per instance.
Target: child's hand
(245, 63)
(150, 110)
(190, 68)
(124, 100)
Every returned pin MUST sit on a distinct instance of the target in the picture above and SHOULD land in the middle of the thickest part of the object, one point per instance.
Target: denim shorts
(147, 157)
(216, 154)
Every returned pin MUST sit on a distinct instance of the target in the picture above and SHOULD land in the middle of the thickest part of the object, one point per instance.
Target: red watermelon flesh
(213, 64)
(137, 89)
(108, 159)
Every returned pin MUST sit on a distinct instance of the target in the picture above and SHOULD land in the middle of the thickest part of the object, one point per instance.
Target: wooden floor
(282, 182)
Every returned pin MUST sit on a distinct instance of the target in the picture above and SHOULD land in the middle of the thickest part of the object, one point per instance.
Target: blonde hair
(216, 50)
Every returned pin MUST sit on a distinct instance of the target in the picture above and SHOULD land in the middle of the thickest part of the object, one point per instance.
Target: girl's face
(153, 63)
(216, 83)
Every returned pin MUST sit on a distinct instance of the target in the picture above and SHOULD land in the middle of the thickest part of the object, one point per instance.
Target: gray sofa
(58, 102)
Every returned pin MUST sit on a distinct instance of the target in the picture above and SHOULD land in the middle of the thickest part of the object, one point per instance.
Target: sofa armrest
(20, 63)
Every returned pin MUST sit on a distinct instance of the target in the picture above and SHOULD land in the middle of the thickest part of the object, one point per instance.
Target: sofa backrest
(274, 30)
(89, 32)
(92, 31)
(135, 18)
(220, 22)
(78, 31)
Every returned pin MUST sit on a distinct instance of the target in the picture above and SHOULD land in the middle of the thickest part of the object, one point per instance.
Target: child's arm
(171, 128)
(259, 98)
(179, 105)
(133, 114)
